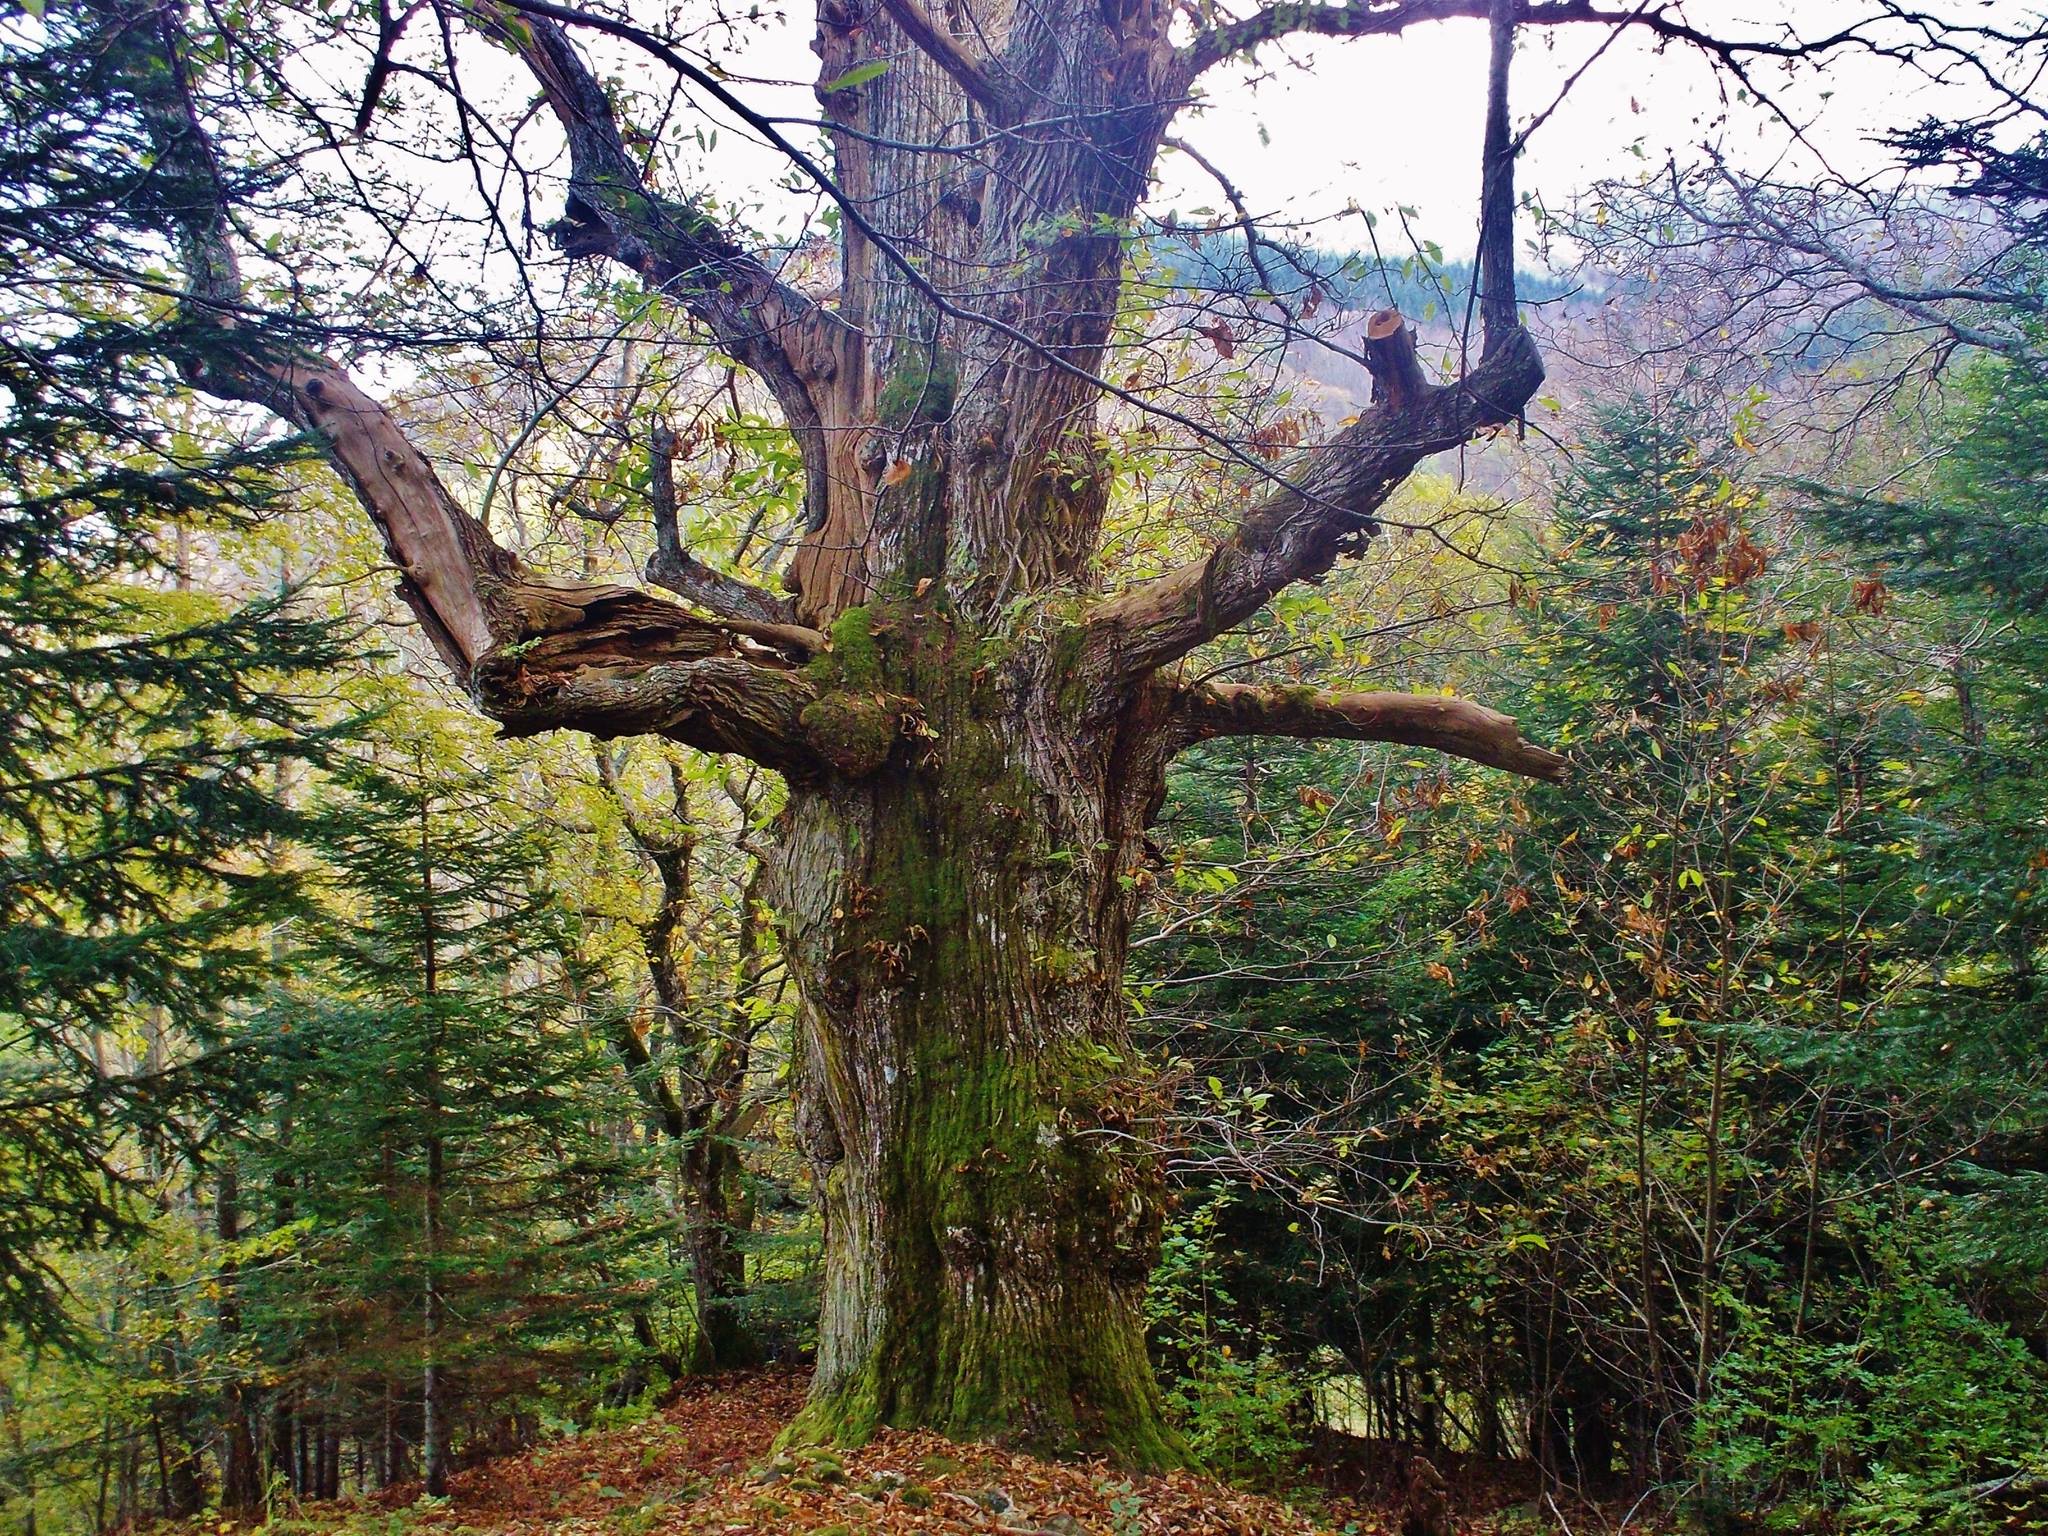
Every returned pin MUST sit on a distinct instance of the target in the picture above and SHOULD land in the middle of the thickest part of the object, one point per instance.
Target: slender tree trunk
(1650, 1406)
(710, 1172)
(1710, 1216)
(241, 1488)
(433, 1409)
(106, 1458)
(282, 1400)
(711, 1162)
(131, 1483)
(712, 1073)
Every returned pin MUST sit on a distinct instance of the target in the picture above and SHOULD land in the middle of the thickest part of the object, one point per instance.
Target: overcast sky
(1323, 123)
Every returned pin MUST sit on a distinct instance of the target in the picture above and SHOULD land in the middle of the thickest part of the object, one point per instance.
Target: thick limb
(536, 652)
(1325, 503)
(1665, 19)
(1444, 724)
(1328, 495)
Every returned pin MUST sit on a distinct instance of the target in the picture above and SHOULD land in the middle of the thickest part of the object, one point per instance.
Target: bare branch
(1245, 221)
(673, 566)
(1456, 726)
(791, 342)
(1496, 261)
(1912, 36)
(611, 212)
(1273, 22)
(1331, 491)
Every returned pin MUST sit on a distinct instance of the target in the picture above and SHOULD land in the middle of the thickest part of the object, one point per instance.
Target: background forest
(380, 1093)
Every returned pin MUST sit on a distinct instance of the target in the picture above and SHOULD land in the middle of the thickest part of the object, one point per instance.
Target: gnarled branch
(535, 651)
(1326, 503)
(673, 566)
(797, 346)
(1329, 494)
(1662, 18)
(1436, 721)
(1362, 18)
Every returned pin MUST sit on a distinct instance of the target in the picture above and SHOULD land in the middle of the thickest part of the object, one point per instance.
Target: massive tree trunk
(957, 923)
(973, 731)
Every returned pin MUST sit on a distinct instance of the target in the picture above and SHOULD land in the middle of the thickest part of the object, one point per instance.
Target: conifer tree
(143, 726)
(442, 1125)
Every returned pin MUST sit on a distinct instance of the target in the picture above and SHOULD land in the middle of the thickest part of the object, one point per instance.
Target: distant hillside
(1218, 262)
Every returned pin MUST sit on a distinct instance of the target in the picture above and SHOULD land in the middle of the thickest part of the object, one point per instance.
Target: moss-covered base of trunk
(1106, 1405)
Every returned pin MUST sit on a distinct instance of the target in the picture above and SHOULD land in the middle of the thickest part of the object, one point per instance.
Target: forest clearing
(1076, 766)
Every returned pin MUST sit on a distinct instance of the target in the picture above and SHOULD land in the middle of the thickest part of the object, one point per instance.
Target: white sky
(1397, 120)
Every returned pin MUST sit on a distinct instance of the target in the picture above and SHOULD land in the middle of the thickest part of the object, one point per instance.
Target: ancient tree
(973, 720)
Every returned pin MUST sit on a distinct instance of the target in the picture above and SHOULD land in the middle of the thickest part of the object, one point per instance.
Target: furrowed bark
(971, 437)
(957, 927)
(968, 73)
(1443, 724)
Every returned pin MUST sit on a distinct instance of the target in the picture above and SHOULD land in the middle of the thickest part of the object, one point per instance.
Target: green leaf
(860, 74)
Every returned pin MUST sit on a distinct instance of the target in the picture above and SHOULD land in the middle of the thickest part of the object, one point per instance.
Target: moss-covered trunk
(957, 924)
(711, 1175)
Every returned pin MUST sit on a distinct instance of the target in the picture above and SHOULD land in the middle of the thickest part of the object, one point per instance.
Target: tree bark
(969, 1100)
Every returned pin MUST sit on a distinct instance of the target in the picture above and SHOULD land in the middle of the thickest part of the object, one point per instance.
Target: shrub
(1896, 1412)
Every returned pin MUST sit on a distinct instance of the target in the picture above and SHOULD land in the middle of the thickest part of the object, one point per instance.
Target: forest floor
(703, 1464)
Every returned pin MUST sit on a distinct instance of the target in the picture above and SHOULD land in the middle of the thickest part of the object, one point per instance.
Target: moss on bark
(989, 1223)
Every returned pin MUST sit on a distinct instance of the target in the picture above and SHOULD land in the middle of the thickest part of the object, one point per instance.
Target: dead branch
(673, 566)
